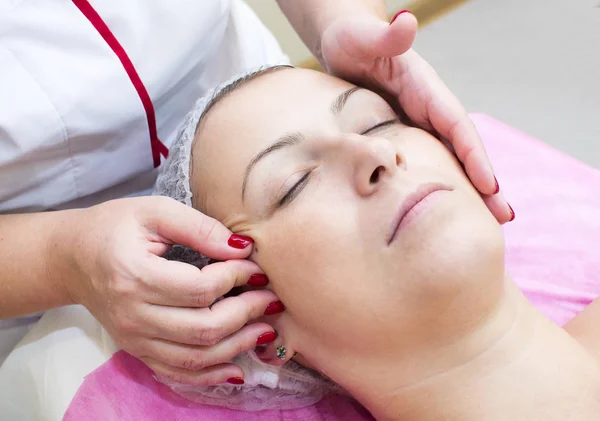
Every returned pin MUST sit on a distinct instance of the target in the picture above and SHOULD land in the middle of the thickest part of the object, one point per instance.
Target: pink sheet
(552, 254)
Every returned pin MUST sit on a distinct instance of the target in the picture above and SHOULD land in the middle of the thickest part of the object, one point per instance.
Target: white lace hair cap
(174, 177)
(266, 387)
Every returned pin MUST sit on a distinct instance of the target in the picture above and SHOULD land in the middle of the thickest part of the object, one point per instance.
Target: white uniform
(92, 93)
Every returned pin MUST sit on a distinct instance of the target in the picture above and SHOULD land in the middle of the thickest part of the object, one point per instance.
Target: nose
(373, 160)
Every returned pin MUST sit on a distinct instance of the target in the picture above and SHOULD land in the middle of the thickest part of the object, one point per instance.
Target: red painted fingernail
(398, 14)
(239, 241)
(258, 280)
(266, 338)
(512, 213)
(274, 308)
(235, 380)
(497, 186)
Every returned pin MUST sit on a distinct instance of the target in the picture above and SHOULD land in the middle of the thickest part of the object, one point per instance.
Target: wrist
(61, 254)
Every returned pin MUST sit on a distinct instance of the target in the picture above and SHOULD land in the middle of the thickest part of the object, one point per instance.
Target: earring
(280, 352)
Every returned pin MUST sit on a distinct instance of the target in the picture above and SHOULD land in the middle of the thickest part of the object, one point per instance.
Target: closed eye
(299, 186)
(294, 191)
(380, 126)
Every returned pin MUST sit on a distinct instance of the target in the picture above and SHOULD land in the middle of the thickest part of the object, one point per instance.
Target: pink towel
(552, 254)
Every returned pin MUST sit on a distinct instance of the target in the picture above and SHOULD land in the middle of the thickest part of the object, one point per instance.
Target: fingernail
(398, 14)
(512, 213)
(235, 380)
(274, 308)
(239, 241)
(266, 338)
(258, 280)
(497, 185)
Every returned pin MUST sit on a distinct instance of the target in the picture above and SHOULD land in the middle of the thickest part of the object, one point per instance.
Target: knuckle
(210, 335)
(239, 276)
(124, 278)
(245, 307)
(126, 324)
(178, 377)
(206, 228)
(194, 363)
(205, 295)
(123, 287)
(239, 348)
(188, 364)
(249, 310)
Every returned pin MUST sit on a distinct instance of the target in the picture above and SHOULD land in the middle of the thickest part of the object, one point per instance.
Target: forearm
(31, 275)
(311, 17)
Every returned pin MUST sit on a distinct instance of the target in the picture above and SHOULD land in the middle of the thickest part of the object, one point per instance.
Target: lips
(412, 200)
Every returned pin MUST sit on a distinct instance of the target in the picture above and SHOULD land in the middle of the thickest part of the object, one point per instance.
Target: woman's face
(319, 173)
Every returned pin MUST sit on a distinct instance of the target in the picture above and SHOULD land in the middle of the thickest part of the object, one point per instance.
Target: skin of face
(351, 295)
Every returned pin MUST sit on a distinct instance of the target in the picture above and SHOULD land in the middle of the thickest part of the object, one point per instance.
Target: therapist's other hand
(161, 311)
(378, 55)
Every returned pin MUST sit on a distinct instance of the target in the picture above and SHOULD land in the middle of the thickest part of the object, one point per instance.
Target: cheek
(302, 253)
(429, 149)
(426, 154)
(317, 269)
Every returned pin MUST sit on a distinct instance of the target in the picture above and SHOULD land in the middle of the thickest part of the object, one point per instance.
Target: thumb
(177, 223)
(371, 37)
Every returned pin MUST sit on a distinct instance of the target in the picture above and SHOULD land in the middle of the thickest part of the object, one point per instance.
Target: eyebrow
(292, 139)
(284, 141)
(338, 105)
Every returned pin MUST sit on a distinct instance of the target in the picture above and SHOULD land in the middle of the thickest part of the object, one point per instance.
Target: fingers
(364, 37)
(179, 284)
(452, 122)
(441, 111)
(469, 149)
(197, 358)
(216, 374)
(430, 104)
(400, 36)
(177, 223)
(207, 326)
(499, 207)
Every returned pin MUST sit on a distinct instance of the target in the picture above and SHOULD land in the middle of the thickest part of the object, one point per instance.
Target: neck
(517, 366)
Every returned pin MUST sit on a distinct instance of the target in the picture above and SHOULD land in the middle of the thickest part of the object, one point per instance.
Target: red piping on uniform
(158, 148)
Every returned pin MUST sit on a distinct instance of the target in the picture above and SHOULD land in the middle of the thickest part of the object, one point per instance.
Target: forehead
(251, 117)
(273, 102)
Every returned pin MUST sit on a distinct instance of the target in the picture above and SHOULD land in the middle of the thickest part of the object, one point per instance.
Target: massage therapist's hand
(162, 311)
(372, 53)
